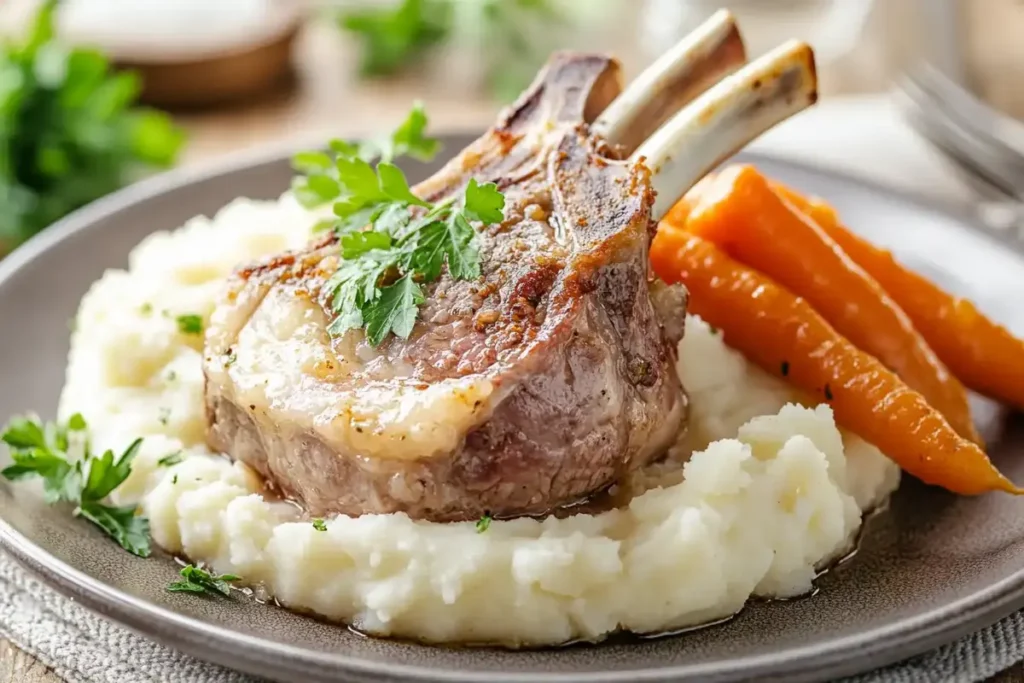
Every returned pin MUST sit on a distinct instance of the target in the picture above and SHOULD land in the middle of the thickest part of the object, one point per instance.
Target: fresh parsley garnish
(484, 523)
(190, 323)
(319, 525)
(59, 455)
(69, 130)
(392, 242)
(197, 580)
(170, 459)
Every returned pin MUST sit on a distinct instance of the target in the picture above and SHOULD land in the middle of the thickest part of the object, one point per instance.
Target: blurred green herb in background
(395, 37)
(68, 131)
(510, 36)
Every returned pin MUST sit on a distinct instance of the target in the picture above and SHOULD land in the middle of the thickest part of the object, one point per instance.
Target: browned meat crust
(561, 323)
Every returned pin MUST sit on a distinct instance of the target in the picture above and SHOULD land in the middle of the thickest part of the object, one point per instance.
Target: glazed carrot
(680, 211)
(983, 354)
(783, 334)
(740, 213)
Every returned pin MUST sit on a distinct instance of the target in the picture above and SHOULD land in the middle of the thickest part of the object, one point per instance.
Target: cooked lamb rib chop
(536, 386)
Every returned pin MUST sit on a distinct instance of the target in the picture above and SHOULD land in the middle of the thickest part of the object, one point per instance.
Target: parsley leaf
(359, 180)
(484, 523)
(409, 139)
(431, 247)
(59, 455)
(354, 287)
(122, 524)
(106, 474)
(484, 203)
(463, 258)
(40, 462)
(392, 242)
(350, 180)
(197, 580)
(311, 162)
(354, 244)
(24, 433)
(394, 186)
(319, 525)
(393, 311)
(170, 460)
(190, 323)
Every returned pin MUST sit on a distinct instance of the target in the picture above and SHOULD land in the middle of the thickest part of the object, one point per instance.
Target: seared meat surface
(530, 389)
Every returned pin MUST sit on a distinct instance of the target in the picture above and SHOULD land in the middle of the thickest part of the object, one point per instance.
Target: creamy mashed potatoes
(771, 490)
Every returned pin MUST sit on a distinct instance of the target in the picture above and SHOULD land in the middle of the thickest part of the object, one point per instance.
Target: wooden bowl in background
(217, 79)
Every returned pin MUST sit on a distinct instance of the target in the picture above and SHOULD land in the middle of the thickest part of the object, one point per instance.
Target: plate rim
(880, 646)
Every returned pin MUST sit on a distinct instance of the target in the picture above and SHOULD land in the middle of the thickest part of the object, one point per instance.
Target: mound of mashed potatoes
(770, 492)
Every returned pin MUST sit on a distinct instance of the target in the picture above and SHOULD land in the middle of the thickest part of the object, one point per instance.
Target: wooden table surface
(324, 100)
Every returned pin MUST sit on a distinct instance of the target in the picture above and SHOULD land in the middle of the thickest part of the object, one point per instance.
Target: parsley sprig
(44, 451)
(392, 242)
(197, 580)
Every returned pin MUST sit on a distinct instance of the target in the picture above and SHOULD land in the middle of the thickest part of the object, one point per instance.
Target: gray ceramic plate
(934, 567)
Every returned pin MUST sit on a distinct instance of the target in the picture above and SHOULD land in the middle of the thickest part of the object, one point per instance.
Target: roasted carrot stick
(981, 353)
(740, 213)
(680, 211)
(783, 334)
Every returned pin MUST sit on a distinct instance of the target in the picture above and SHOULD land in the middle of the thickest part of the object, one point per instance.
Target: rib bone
(722, 120)
(712, 51)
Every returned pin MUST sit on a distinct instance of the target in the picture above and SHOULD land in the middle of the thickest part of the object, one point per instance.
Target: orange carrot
(783, 334)
(741, 214)
(983, 354)
(680, 211)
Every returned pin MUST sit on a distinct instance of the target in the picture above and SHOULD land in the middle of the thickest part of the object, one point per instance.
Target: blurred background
(96, 93)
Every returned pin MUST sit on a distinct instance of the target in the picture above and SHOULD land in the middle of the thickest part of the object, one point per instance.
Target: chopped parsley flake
(170, 459)
(196, 580)
(484, 523)
(319, 525)
(190, 323)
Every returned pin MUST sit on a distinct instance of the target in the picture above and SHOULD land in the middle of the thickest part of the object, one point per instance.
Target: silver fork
(979, 143)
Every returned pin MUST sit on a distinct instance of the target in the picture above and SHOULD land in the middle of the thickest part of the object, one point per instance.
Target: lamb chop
(549, 377)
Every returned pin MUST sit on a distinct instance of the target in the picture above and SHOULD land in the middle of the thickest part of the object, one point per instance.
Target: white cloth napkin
(82, 647)
(849, 134)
